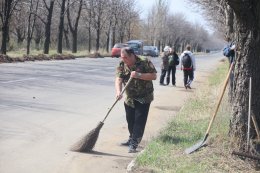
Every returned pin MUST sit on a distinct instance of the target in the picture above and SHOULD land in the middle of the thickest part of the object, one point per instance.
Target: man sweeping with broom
(139, 93)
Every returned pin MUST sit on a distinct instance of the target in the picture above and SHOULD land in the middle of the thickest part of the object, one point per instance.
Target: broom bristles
(87, 143)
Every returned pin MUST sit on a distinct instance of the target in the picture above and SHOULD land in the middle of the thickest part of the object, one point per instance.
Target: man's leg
(168, 75)
(141, 114)
(173, 75)
(191, 77)
(185, 79)
(162, 77)
(130, 118)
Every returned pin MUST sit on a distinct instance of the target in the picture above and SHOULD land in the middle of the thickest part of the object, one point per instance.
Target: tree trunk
(89, 39)
(5, 28)
(74, 41)
(48, 29)
(30, 27)
(37, 43)
(108, 41)
(61, 26)
(98, 33)
(29, 32)
(66, 35)
(247, 64)
(74, 29)
(114, 36)
(98, 39)
(20, 36)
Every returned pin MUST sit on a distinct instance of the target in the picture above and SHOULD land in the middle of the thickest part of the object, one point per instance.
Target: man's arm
(144, 76)
(118, 87)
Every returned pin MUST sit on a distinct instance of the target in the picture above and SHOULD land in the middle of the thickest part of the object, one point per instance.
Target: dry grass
(166, 152)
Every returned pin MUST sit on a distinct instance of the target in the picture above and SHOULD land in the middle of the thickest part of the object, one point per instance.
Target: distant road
(46, 106)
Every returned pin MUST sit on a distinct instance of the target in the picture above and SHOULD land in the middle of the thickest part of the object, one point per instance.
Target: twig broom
(87, 143)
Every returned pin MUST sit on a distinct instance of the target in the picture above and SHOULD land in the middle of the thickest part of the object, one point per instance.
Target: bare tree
(61, 25)
(99, 18)
(38, 34)
(66, 35)
(88, 18)
(18, 24)
(31, 23)
(74, 27)
(6, 10)
(49, 7)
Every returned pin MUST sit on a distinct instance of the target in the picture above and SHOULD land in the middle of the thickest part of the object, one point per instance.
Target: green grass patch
(165, 153)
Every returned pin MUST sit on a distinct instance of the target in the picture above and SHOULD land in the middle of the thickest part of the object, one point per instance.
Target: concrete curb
(131, 165)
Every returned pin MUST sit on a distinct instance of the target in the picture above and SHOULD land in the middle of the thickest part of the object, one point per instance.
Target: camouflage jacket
(139, 90)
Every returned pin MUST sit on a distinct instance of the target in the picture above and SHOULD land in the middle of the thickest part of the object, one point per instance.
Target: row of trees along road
(240, 22)
(94, 25)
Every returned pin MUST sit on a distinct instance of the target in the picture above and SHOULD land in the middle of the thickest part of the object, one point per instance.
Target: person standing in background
(164, 64)
(188, 66)
(173, 62)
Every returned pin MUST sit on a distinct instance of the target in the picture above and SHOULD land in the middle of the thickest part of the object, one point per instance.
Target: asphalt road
(46, 106)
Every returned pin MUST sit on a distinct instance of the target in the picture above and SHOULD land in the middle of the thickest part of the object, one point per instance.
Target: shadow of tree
(177, 140)
(172, 139)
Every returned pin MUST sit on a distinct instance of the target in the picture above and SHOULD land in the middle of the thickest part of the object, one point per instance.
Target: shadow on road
(97, 153)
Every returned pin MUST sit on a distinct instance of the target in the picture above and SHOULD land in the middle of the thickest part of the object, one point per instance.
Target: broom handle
(249, 113)
(219, 101)
(123, 90)
(256, 126)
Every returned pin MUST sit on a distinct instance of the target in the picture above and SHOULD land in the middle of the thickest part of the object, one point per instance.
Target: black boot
(167, 80)
(127, 143)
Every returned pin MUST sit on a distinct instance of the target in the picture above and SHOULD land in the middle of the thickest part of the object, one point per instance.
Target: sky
(176, 6)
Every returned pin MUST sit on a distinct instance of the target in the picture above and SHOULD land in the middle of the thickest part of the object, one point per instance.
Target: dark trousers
(163, 73)
(171, 71)
(188, 76)
(136, 119)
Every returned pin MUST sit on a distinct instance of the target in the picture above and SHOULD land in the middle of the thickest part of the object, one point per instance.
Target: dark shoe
(132, 149)
(173, 85)
(188, 86)
(162, 84)
(127, 143)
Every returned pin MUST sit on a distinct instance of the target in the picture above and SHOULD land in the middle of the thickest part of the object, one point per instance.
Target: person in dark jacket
(173, 62)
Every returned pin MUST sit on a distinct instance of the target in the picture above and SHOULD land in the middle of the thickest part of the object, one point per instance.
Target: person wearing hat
(164, 64)
(139, 93)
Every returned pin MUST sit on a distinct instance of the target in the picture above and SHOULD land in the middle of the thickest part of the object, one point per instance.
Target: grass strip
(165, 153)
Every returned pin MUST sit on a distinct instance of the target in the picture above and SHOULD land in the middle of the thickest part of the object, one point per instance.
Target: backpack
(176, 59)
(227, 51)
(170, 60)
(186, 61)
